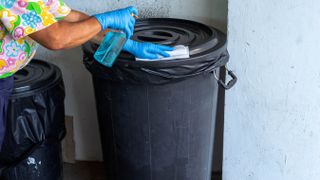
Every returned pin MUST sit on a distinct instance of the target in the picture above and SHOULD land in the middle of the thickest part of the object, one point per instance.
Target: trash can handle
(231, 83)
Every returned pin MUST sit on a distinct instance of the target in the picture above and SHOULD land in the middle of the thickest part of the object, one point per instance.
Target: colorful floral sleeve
(58, 8)
(24, 17)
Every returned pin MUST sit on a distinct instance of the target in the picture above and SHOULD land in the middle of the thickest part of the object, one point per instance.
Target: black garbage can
(157, 118)
(35, 125)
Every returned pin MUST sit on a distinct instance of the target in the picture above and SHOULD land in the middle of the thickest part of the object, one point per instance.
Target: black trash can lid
(36, 76)
(207, 45)
(204, 41)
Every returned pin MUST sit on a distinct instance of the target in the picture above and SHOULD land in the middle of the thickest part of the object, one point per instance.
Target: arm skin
(76, 16)
(74, 30)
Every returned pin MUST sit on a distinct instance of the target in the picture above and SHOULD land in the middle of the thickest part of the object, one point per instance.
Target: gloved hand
(121, 19)
(146, 50)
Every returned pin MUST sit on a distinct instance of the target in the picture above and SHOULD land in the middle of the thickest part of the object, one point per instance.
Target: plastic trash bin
(35, 125)
(157, 119)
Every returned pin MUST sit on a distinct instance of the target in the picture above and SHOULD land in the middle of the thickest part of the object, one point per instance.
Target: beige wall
(272, 114)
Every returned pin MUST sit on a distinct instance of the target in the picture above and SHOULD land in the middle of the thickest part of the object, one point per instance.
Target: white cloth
(179, 52)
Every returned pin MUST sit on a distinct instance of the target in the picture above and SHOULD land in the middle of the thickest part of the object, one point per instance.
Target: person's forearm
(64, 35)
(76, 16)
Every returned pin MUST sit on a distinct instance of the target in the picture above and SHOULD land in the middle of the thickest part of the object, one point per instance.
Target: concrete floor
(92, 171)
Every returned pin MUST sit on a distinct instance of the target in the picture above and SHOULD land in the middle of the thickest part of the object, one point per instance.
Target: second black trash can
(35, 125)
(157, 119)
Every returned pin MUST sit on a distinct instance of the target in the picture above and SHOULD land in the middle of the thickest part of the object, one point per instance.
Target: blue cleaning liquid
(110, 48)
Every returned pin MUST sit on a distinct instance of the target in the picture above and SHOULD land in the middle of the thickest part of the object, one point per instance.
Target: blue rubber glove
(146, 50)
(121, 19)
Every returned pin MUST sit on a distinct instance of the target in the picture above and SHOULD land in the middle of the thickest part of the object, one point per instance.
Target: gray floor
(92, 171)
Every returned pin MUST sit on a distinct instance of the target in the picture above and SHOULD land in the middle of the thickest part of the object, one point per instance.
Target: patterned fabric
(18, 19)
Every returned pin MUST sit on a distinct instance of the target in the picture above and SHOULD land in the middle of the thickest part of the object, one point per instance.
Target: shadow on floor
(84, 171)
(216, 176)
(94, 171)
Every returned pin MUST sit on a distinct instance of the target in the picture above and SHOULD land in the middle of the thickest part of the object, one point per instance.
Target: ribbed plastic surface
(35, 77)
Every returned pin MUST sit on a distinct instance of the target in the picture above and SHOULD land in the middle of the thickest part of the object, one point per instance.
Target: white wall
(272, 128)
(80, 97)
